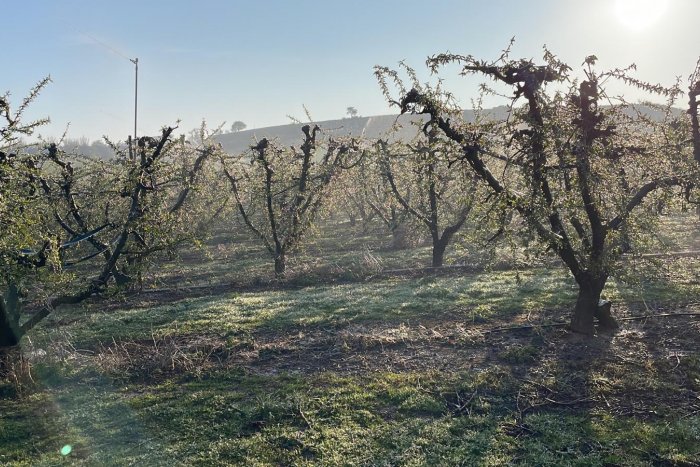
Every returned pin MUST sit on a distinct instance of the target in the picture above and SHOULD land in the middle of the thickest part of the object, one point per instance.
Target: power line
(106, 46)
(135, 61)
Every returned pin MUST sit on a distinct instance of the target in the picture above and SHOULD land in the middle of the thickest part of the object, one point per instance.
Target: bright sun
(639, 14)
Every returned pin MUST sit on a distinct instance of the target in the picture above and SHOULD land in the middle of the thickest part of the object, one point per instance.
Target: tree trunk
(439, 248)
(625, 242)
(399, 237)
(366, 221)
(8, 338)
(589, 307)
(280, 263)
(9, 326)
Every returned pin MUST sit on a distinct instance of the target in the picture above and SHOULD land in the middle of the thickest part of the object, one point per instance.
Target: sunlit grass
(200, 381)
(384, 418)
(493, 295)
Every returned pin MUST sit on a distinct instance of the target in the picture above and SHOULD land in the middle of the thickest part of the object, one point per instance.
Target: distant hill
(370, 127)
(378, 126)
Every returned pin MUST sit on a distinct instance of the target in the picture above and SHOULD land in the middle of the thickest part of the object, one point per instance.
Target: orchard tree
(21, 211)
(693, 94)
(573, 161)
(281, 191)
(109, 214)
(365, 193)
(394, 216)
(443, 196)
(348, 197)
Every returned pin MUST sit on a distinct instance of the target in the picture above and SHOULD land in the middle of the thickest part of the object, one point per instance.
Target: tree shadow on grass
(469, 300)
(665, 283)
(611, 399)
(529, 396)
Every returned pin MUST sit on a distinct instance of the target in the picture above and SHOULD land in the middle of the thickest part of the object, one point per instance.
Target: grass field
(218, 363)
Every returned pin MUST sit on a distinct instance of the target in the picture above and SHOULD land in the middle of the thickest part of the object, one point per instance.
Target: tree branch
(638, 197)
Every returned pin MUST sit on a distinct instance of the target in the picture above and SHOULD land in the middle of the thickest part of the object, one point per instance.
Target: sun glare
(637, 15)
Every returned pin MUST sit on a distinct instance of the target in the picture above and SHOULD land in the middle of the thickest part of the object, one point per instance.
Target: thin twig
(660, 315)
(549, 325)
(518, 328)
(301, 412)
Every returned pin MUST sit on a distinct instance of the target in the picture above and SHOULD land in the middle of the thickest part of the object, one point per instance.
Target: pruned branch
(242, 210)
(639, 196)
(204, 154)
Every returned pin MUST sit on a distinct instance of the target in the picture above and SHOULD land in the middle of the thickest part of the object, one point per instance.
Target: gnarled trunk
(589, 306)
(280, 263)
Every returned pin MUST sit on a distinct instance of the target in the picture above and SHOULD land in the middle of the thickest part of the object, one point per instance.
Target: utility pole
(135, 61)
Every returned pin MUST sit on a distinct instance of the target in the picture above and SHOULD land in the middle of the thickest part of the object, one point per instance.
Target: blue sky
(259, 61)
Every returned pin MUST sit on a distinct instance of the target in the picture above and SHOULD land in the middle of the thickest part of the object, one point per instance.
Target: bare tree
(124, 210)
(443, 196)
(288, 186)
(574, 170)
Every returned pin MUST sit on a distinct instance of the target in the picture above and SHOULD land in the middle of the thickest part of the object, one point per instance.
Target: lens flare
(637, 15)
